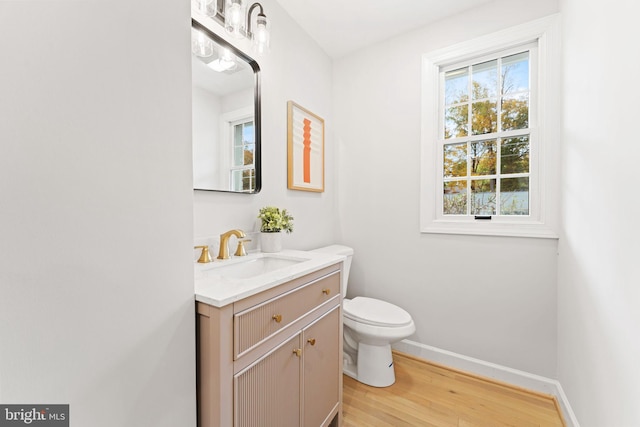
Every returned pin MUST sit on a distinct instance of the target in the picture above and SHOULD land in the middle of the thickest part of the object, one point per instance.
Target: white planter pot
(271, 242)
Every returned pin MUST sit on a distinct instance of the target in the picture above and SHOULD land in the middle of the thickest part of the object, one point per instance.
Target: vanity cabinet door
(322, 358)
(267, 393)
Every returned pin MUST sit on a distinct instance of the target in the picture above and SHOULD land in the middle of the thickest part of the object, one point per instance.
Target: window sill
(531, 229)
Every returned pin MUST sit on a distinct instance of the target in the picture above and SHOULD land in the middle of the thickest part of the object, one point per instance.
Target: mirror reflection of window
(243, 170)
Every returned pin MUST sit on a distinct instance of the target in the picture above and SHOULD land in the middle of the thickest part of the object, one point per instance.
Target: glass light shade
(261, 36)
(205, 7)
(234, 13)
(201, 45)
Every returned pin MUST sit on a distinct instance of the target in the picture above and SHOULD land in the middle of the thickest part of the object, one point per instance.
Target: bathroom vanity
(269, 341)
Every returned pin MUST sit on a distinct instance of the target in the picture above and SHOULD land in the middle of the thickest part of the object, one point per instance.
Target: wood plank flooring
(427, 394)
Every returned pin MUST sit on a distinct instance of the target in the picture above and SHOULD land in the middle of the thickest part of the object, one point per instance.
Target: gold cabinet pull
(277, 318)
(312, 341)
(297, 352)
(326, 291)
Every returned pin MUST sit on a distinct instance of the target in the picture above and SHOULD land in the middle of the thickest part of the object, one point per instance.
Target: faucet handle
(240, 250)
(205, 256)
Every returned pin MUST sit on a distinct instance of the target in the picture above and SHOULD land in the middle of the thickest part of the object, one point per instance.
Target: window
(489, 144)
(485, 137)
(243, 171)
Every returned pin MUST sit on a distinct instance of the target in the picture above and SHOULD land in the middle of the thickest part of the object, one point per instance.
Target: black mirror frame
(257, 121)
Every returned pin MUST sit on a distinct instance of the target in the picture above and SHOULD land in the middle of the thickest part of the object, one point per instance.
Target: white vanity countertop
(215, 286)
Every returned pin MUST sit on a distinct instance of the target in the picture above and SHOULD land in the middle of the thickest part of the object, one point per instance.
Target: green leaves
(275, 220)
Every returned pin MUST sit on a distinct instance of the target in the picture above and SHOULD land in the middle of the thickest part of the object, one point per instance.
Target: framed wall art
(305, 149)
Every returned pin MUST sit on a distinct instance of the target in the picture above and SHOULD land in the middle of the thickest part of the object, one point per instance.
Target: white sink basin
(251, 266)
(255, 267)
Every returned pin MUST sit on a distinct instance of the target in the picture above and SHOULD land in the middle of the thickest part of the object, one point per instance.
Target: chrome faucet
(223, 253)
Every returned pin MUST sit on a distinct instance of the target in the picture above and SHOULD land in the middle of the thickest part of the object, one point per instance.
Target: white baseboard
(491, 370)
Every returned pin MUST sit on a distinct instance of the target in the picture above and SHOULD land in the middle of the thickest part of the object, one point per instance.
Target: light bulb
(261, 36)
(233, 17)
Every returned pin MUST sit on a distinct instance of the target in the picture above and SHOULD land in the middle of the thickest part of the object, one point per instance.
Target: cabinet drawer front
(254, 325)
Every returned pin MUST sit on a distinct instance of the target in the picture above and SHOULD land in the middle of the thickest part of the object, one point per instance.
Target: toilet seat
(371, 311)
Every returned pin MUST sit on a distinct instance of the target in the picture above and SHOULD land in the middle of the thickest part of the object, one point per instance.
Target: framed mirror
(226, 130)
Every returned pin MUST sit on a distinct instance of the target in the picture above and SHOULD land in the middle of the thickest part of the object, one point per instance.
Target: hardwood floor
(426, 394)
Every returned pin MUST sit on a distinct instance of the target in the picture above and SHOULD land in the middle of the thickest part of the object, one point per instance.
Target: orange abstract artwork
(305, 154)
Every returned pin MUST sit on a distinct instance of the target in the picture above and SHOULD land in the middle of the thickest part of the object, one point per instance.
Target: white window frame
(233, 168)
(545, 129)
(225, 158)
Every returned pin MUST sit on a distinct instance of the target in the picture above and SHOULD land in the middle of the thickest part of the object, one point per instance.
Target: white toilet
(370, 327)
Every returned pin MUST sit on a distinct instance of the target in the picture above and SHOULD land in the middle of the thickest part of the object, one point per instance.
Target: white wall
(238, 100)
(96, 277)
(206, 110)
(489, 298)
(599, 296)
(295, 69)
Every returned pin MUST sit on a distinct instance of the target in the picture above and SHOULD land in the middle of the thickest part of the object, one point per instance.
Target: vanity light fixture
(238, 24)
(260, 35)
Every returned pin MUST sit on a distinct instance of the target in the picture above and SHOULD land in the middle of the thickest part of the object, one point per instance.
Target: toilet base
(374, 366)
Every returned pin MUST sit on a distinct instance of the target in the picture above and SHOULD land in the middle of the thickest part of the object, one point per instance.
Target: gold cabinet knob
(277, 318)
(326, 291)
(312, 341)
(297, 352)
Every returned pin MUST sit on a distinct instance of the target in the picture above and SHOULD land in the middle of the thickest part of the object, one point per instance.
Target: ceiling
(343, 26)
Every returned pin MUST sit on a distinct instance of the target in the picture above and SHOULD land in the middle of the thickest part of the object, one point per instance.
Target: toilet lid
(375, 312)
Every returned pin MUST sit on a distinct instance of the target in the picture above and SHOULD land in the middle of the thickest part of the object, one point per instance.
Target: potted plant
(273, 221)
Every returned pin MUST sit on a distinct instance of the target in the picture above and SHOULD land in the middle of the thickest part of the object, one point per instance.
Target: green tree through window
(487, 138)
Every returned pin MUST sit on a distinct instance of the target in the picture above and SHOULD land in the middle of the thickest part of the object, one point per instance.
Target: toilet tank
(345, 251)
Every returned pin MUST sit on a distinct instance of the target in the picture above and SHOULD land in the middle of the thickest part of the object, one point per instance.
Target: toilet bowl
(370, 327)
